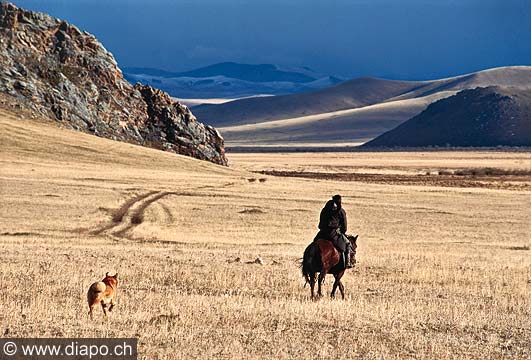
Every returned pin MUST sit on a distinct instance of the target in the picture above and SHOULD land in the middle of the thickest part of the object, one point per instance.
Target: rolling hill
(27, 139)
(355, 111)
(345, 127)
(347, 95)
(492, 116)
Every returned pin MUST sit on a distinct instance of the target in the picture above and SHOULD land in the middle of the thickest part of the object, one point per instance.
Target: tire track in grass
(137, 217)
(167, 212)
(119, 214)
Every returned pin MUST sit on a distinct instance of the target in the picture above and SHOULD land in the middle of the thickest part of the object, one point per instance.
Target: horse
(322, 257)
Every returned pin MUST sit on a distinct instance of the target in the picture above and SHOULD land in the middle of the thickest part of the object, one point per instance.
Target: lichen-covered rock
(66, 74)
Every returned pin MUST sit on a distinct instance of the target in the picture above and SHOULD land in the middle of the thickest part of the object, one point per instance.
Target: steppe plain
(443, 272)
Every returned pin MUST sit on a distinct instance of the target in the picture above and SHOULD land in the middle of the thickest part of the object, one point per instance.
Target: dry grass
(443, 272)
(488, 171)
(396, 163)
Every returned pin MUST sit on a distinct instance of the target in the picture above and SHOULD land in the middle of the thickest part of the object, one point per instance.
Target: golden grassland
(384, 162)
(443, 272)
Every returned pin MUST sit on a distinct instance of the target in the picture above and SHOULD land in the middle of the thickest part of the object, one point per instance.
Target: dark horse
(322, 257)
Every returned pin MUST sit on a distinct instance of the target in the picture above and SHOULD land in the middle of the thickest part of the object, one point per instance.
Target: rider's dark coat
(331, 219)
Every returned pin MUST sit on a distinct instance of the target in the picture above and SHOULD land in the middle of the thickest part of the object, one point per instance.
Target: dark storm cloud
(408, 39)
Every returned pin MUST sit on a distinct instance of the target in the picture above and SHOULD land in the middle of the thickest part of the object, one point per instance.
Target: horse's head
(353, 247)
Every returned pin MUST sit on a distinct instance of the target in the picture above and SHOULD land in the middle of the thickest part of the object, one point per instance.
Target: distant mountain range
(231, 80)
(352, 112)
(478, 117)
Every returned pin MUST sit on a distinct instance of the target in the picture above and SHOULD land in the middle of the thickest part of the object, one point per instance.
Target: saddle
(340, 241)
(327, 245)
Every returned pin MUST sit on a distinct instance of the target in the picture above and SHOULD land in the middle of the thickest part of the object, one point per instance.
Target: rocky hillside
(491, 116)
(66, 74)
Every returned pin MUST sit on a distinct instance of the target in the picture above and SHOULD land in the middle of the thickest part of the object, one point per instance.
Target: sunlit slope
(352, 126)
(326, 117)
(60, 182)
(43, 142)
(347, 95)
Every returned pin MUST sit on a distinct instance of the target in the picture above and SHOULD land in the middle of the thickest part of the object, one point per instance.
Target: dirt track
(126, 215)
(509, 182)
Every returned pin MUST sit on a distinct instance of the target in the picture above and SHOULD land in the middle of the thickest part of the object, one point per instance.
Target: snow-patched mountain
(232, 80)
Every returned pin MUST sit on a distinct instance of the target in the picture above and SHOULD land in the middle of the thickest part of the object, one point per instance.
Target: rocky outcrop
(481, 117)
(66, 74)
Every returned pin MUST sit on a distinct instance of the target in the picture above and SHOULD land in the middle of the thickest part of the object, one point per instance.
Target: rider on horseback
(333, 227)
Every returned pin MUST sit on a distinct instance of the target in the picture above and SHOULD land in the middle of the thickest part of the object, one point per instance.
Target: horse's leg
(312, 284)
(341, 287)
(322, 276)
(336, 283)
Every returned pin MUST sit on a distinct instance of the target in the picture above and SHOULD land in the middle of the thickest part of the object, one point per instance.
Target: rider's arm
(343, 225)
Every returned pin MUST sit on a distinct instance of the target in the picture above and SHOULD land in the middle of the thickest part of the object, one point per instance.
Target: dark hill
(491, 116)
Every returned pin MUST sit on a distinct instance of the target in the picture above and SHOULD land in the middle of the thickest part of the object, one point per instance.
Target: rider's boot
(346, 256)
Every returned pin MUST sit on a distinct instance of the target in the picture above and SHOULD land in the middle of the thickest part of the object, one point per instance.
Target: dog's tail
(95, 290)
(98, 287)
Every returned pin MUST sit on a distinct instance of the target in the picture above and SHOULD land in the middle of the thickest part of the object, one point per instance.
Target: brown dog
(104, 293)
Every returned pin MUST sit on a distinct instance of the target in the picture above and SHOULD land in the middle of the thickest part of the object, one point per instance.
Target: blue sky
(398, 39)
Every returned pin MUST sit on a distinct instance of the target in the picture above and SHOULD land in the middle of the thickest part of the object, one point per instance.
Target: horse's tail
(308, 260)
